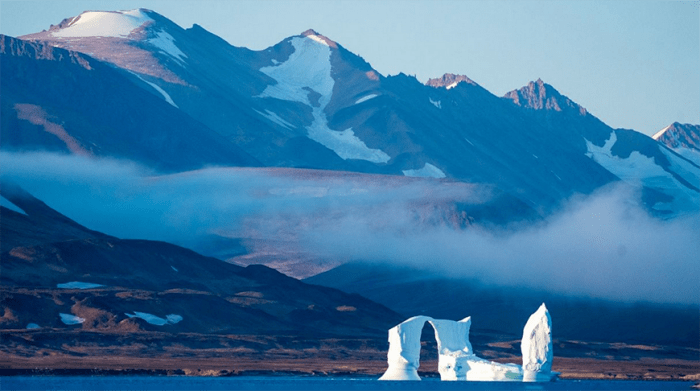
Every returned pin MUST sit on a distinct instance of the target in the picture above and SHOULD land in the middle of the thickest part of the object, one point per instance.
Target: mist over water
(603, 245)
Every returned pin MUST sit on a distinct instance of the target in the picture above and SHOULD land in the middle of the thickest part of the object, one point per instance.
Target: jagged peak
(538, 95)
(320, 38)
(679, 135)
(449, 80)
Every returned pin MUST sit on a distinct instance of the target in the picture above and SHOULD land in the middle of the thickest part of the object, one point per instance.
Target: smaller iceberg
(456, 359)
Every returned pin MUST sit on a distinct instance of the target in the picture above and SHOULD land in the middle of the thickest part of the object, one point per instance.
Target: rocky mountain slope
(684, 139)
(59, 276)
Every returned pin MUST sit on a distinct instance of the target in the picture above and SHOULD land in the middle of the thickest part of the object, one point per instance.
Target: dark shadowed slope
(159, 279)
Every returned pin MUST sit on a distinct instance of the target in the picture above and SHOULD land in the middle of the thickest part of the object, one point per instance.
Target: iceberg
(456, 358)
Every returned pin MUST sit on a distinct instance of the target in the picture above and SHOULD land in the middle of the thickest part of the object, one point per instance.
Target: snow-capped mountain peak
(539, 95)
(117, 24)
(144, 40)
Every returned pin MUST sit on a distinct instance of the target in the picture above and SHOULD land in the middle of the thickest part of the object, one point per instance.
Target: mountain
(670, 183)
(307, 102)
(64, 101)
(63, 277)
(684, 139)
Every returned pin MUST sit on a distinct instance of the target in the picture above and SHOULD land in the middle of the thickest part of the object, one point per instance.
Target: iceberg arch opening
(456, 358)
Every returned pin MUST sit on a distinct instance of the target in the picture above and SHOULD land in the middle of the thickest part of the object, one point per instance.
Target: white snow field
(118, 24)
(32, 326)
(156, 320)
(9, 205)
(166, 43)
(71, 319)
(309, 68)
(456, 359)
(428, 171)
(436, 103)
(639, 169)
(78, 285)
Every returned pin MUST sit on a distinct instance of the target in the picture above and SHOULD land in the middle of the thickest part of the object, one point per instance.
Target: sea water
(308, 383)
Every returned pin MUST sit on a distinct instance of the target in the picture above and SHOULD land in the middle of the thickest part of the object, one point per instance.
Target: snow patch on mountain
(436, 103)
(11, 206)
(640, 169)
(309, 68)
(78, 285)
(156, 320)
(118, 24)
(366, 98)
(275, 118)
(428, 171)
(71, 319)
(166, 43)
(32, 326)
(165, 95)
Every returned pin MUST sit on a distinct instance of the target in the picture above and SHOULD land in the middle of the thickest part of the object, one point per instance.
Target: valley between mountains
(173, 204)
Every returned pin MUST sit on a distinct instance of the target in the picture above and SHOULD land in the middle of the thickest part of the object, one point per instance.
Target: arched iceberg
(457, 361)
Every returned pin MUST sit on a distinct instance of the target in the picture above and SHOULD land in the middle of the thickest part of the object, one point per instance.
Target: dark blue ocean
(306, 383)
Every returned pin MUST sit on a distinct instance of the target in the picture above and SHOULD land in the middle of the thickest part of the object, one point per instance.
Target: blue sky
(633, 64)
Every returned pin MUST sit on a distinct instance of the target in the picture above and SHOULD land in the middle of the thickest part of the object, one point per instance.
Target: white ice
(404, 350)
(275, 118)
(640, 169)
(31, 326)
(166, 43)
(78, 285)
(456, 359)
(173, 267)
(428, 171)
(436, 103)
(165, 95)
(309, 67)
(536, 345)
(103, 24)
(71, 319)
(366, 98)
(11, 206)
(155, 320)
(453, 85)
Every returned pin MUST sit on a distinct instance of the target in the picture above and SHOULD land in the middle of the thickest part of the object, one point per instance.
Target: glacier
(456, 358)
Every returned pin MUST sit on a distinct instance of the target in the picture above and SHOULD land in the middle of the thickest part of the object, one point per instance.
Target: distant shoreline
(570, 368)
